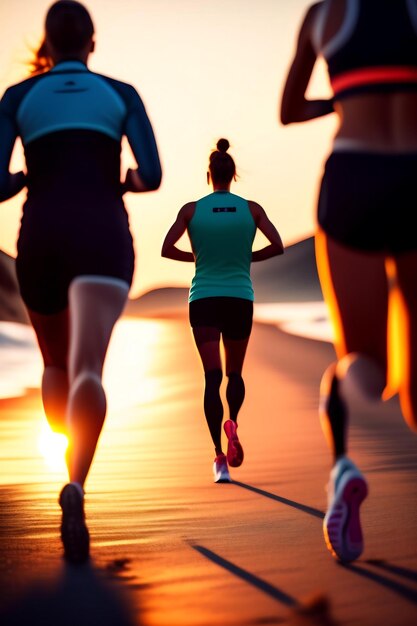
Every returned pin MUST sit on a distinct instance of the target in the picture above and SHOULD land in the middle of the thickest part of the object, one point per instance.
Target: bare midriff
(378, 122)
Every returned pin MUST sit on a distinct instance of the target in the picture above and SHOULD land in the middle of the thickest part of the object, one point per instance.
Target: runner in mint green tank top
(222, 231)
(221, 228)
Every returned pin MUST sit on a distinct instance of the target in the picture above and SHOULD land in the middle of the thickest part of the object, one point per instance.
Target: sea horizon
(21, 362)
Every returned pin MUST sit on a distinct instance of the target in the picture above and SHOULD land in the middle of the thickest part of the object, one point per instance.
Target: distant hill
(291, 277)
(163, 302)
(12, 308)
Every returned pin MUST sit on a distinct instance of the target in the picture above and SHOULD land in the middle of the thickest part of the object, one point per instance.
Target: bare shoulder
(256, 209)
(310, 18)
(313, 9)
(187, 211)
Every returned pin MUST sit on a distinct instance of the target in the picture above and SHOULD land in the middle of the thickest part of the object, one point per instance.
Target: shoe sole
(223, 479)
(234, 447)
(234, 453)
(341, 525)
(74, 532)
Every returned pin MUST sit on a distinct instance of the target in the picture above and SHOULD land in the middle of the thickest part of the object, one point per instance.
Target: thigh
(235, 351)
(236, 330)
(52, 332)
(207, 340)
(236, 316)
(96, 303)
(355, 288)
(43, 279)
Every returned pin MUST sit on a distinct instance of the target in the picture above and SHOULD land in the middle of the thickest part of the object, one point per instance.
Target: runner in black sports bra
(365, 243)
(75, 252)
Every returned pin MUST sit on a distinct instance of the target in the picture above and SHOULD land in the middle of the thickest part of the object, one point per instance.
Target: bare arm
(265, 225)
(169, 249)
(294, 105)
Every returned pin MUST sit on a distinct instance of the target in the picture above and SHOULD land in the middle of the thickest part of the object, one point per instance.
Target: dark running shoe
(74, 532)
(234, 447)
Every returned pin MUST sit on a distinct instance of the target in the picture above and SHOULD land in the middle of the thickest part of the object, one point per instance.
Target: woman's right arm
(10, 184)
(169, 249)
(265, 225)
(294, 105)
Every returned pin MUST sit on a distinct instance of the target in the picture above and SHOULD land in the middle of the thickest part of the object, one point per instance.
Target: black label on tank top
(224, 209)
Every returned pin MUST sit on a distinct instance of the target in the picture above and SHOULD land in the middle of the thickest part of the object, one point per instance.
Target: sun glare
(53, 446)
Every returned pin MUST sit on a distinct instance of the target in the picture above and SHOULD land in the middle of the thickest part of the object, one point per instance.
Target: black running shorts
(231, 316)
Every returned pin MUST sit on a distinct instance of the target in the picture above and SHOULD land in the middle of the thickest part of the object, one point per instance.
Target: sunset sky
(204, 69)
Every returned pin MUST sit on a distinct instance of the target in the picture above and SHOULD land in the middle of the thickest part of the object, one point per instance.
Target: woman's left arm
(141, 138)
(294, 105)
(10, 184)
(169, 249)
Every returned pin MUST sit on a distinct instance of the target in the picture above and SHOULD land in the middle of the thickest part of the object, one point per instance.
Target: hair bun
(223, 145)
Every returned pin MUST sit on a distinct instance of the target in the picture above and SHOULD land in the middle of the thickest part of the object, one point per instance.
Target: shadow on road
(362, 569)
(314, 610)
(76, 596)
(267, 494)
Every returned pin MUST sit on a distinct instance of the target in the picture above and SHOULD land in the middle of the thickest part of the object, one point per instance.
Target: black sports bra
(374, 50)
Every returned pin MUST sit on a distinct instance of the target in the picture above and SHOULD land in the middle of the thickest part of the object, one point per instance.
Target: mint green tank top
(221, 232)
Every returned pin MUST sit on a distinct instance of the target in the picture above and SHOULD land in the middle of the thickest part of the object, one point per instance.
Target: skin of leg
(406, 272)
(355, 288)
(95, 306)
(207, 341)
(52, 332)
(235, 352)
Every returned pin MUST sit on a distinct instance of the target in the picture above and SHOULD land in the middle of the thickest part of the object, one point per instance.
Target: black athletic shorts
(368, 201)
(50, 256)
(231, 316)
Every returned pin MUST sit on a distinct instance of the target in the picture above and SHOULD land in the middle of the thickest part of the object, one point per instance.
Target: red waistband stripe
(373, 75)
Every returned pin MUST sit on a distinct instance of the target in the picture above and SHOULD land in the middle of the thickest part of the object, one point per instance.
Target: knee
(86, 381)
(235, 376)
(214, 378)
(361, 376)
(84, 366)
(235, 380)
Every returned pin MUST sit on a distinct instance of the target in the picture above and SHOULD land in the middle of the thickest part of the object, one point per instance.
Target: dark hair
(222, 168)
(68, 27)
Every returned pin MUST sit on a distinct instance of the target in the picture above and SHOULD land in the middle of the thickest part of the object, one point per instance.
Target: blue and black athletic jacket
(70, 113)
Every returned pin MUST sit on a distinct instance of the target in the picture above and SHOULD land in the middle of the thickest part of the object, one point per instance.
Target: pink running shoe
(220, 469)
(234, 448)
(347, 489)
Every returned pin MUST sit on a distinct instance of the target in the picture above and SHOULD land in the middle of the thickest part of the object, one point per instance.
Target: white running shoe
(220, 469)
(347, 488)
